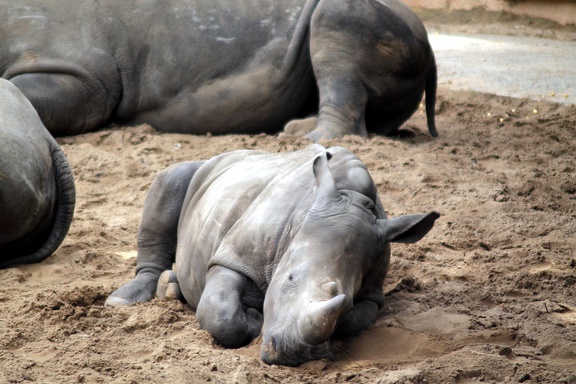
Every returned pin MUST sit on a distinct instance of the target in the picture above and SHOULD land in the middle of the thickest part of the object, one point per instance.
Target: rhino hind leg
(367, 61)
(70, 103)
(223, 312)
(342, 108)
(158, 233)
(168, 286)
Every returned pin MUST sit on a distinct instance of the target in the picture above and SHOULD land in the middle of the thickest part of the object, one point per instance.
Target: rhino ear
(406, 229)
(325, 183)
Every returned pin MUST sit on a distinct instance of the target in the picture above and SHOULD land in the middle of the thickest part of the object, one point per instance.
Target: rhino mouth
(282, 351)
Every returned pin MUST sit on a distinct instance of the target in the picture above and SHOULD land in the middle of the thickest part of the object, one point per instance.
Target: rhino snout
(268, 351)
(280, 351)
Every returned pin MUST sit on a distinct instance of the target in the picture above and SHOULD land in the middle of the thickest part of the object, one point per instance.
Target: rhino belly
(226, 66)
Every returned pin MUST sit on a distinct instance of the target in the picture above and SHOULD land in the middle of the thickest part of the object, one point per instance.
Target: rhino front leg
(358, 318)
(364, 311)
(222, 310)
(157, 236)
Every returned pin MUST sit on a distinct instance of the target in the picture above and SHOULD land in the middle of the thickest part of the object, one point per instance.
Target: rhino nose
(272, 352)
(268, 352)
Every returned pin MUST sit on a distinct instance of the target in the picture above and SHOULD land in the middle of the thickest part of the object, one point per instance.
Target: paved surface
(507, 65)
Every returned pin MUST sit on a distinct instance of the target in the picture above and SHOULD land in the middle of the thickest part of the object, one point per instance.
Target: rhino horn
(331, 288)
(406, 229)
(321, 319)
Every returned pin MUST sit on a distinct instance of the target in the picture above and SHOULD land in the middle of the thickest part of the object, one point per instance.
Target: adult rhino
(37, 192)
(295, 244)
(219, 66)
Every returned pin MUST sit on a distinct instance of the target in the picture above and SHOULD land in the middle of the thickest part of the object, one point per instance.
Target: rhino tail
(431, 87)
(63, 209)
(65, 198)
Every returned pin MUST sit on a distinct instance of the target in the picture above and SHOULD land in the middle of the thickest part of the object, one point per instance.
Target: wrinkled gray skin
(292, 244)
(37, 192)
(219, 66)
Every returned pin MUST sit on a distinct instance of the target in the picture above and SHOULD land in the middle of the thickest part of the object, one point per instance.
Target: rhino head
(340, 243)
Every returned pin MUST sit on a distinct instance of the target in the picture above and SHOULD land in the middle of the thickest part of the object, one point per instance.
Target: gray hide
(219, 66)
(292, 244)
(37, 194)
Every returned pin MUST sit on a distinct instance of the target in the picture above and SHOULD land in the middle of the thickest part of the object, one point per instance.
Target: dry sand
(488, 296)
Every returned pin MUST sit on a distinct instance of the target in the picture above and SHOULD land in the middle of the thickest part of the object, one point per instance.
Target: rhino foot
(168, 286)
(309, 129)
(301, 127)
(357, 319)
(222, 312)
(318, 135)
(139, 290)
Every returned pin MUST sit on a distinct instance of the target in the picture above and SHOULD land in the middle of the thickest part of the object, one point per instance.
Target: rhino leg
(157, 236)
(69, 103)
(342, 105)
(358, 318)
(368, 65)
(223, 312)
(338, 67)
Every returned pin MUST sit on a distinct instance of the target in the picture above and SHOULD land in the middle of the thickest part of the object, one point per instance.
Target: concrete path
(507, 65)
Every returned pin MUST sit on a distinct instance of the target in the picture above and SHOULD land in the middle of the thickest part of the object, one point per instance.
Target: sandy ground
(508, 67)
(488, 296)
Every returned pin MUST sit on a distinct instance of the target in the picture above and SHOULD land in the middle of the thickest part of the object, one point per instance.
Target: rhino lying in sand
(293, 244)
(220, 66)
(37, 194)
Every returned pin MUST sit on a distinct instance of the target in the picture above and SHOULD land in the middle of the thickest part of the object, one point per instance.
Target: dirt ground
(488, 296)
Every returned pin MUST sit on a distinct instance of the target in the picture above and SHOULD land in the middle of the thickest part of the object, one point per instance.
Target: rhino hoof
(139, 290)
(115, 301)
(301, 127)
(168, 286)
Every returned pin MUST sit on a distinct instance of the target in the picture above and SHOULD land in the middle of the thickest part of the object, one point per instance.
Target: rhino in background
(220, 66)
(37, 194)
(293, 244)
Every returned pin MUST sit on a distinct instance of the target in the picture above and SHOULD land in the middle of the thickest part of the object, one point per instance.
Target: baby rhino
(293, 244)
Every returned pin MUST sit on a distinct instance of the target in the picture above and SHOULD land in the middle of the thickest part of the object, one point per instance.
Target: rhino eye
(291, 283)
